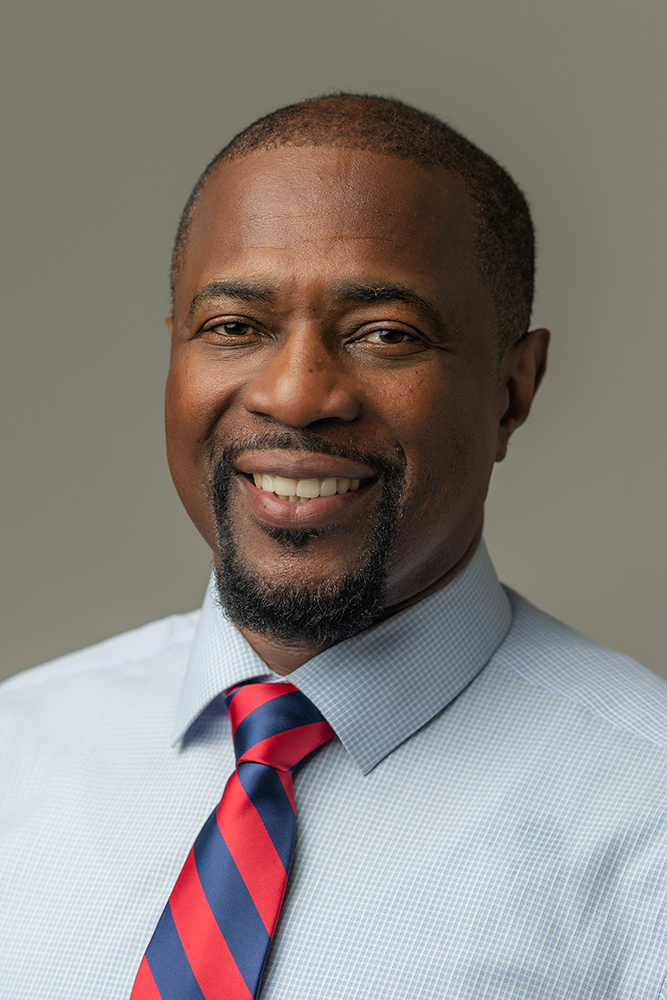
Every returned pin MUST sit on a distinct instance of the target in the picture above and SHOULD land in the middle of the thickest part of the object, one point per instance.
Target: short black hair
(504, 238)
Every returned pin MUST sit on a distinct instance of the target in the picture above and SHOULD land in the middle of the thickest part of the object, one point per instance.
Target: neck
(283, 658)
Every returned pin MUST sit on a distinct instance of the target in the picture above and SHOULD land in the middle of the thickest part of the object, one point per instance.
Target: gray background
(111, 110)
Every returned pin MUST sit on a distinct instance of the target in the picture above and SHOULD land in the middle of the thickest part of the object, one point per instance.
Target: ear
(170, 324)
(521, 371)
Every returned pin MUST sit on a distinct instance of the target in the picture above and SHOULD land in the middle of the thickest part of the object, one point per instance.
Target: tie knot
(275, 724)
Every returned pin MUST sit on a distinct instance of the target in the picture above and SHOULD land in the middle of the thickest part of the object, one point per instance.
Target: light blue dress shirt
(490, 824)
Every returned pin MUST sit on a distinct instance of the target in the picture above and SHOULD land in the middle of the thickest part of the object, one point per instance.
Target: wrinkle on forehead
(321, 193)
(288, 216)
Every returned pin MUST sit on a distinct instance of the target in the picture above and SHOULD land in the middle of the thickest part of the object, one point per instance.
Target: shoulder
(118, 693)
(557, 659)
(151, 646)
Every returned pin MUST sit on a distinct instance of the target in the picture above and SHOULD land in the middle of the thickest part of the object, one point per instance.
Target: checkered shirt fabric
(500, 834)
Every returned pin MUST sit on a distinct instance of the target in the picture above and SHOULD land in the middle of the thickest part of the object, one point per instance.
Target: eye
(230, 332)
(234, 329)
(387, 336)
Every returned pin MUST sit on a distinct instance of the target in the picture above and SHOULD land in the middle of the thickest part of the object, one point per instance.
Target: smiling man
(337, 395)
(430, 788)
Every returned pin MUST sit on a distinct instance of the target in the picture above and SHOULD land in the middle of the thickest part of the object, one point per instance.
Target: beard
(324, 613)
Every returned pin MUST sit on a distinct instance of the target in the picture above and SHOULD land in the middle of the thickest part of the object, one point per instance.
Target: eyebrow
(388, 292)
(365, 292)
(247, 291)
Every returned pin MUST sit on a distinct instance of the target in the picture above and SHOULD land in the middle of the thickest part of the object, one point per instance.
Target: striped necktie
(214, 934)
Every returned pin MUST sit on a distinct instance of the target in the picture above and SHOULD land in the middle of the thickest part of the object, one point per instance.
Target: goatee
(338, 607)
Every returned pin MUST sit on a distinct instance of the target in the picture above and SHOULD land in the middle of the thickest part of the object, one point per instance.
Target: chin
(321, 612)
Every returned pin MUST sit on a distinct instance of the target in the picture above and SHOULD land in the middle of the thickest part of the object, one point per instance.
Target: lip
(320, 512)
(293, 465)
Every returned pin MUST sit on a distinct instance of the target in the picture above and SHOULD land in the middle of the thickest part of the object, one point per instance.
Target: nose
(302, 381)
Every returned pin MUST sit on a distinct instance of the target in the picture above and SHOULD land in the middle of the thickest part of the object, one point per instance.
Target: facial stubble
(336, 608)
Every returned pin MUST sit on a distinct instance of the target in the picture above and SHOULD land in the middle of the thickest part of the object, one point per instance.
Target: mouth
(305, 490)
(302, 490)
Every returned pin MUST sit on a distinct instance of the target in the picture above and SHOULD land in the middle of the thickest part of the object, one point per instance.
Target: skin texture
(295, 348)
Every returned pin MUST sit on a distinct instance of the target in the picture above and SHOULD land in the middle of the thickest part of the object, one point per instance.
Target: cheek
(449, 442)
(193, 401)
(189, 411)
(181, 422)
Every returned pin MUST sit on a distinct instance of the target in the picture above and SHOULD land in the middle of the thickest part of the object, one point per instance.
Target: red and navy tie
(214, 934)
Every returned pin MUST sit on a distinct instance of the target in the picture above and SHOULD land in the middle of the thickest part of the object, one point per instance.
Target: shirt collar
(377, 688)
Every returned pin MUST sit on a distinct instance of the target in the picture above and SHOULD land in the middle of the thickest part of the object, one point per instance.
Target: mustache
(336, 607)
(306, 441)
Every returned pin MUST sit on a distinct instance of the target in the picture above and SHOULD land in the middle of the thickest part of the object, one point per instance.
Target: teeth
(282, 486)
(308, 488)
(302, 490)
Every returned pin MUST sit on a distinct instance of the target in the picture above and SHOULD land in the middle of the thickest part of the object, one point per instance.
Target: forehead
(335, 212)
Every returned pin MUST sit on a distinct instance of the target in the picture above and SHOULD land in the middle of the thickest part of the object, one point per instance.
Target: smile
(303, 490)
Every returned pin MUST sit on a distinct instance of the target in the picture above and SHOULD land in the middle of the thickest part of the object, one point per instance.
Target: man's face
(331, 329)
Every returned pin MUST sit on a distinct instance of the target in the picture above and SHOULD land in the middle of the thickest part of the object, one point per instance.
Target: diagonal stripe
(248, 697)
(210, 959)
(262, 869)
(168, 962)
(279, 715)
(287, 781)
(232, 907)
(284, 750)
(144, 985)
(265, 791)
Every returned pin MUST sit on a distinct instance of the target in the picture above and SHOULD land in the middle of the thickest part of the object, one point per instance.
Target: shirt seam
(54, 671)
(588, 709)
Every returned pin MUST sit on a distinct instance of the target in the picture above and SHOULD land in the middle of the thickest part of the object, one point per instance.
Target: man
(482, 810)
